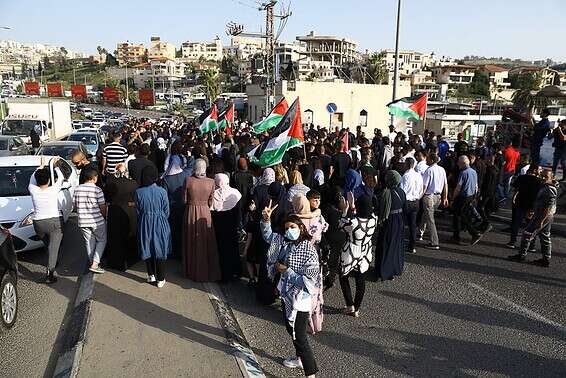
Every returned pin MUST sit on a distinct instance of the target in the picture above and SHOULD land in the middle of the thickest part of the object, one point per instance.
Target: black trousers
(463, 217)
(360, 279)
(156, 267)
(301, 343)
(411, 213)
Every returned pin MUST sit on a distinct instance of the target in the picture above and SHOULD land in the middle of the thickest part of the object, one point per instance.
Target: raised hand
(266, 213)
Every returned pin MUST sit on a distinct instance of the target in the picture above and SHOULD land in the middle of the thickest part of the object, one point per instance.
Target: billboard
(146, 97)
(54, 90)
(78, 91)
(110, 95)
(31, 88)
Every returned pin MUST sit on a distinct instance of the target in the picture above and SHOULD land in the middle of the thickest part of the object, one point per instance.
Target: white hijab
(200, 168)
(225, 197)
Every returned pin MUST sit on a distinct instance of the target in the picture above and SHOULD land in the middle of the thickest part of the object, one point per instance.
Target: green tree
(375, 67)
(111, 60)
(179, 53)
(210, 80)
(39, 67)
(480, 84)
(525, 98)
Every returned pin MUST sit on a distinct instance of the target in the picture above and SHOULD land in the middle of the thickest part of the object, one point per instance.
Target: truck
(51, 118)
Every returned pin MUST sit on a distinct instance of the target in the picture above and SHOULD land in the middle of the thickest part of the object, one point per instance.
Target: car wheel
(8, 301)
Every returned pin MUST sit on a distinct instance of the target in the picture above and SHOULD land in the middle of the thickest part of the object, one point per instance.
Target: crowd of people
(329, 209)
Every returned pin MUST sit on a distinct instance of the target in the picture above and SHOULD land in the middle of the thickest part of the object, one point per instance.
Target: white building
(194, 51)
(412, 61)
(498, 76)
(165, 73)
(336, 50)
(357, 104)
(244, 47)
(454, 74)
(160, 49)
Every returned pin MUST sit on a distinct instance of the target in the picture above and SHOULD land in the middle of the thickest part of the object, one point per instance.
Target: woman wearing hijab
(293, 263)
(316, 225)
(200, 257)
(154, 235)
(178, 169)
(296, 186)
(121, 249)
(356, 253)
(226, 217)
(390, 257)
(333, 202)
(278, 195)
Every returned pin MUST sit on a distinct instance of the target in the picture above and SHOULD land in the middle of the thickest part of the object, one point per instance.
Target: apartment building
(333, 49)
(244, 47)
(548, 76)
(164, 72)
(194, 51)
(129, 53)
(454, 74)
(160, 49)
(498, 76)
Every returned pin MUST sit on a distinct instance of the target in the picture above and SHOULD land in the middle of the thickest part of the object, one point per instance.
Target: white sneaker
(293, 363)
(160, 284)
(151, 279)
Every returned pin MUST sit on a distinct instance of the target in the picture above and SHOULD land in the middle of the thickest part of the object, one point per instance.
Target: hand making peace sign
(267, 211)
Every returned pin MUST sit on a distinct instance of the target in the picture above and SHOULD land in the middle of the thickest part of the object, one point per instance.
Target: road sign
(331, 107)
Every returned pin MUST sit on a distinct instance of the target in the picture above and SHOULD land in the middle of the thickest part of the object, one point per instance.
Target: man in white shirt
(392, 134)
(420, 157)
(47, 220)
(412, 185)
(435, 192)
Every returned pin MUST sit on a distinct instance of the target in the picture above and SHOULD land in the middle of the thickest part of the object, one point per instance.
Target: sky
(526, 29)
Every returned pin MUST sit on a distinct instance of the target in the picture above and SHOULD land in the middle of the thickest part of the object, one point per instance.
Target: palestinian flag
(409, 107)
(287, 134)
(226, 119)
(272, 119)
(209, 120)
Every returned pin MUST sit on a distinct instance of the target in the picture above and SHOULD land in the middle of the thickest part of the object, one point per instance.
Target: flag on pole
(409, 107)
(273, 118)
(210, 121)
(226, 119)
(286, 135)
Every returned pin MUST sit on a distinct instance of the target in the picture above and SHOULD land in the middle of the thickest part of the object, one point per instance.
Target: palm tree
(210, 80)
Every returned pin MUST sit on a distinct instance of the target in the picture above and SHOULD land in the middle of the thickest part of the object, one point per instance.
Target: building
(10, 70)
(357, 104)
(498, 76)
(294, 56)
(128, 53)
(160, 49)
(547, 75)
(412, 61)
(244, 47)
(335, 50)
(431, 89)
(163, 73)
(453, 75)
(195, 51)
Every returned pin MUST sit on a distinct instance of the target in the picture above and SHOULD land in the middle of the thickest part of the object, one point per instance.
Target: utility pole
(269, 54)
(396, 69)
(127, 92)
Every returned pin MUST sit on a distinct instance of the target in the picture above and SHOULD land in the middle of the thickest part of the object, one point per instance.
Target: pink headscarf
(225, 197)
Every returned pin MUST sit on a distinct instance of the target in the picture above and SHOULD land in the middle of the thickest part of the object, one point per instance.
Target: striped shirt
(114, 153)
(88, 197)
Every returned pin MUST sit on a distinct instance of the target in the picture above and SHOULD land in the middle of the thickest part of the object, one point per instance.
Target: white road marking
(529, 313)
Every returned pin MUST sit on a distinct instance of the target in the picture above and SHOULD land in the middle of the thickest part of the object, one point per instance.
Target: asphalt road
(30, 348)
(460, 311)
(134, 112)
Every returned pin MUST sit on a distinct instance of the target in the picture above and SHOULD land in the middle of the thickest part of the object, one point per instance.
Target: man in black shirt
(461, 147)
(559, 144)
(341, 162)
(34, 138)
(526, 189)
(136, 166)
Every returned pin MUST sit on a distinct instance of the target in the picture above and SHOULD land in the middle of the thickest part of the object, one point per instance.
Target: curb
(75, 336)
(245, 357)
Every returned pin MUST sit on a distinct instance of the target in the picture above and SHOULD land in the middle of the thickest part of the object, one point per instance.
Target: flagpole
(425, 110)
(396, 69)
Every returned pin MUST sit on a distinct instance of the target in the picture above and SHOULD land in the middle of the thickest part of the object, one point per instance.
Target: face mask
(292, 233)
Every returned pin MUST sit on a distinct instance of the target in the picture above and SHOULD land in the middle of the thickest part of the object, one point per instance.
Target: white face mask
(292, 233)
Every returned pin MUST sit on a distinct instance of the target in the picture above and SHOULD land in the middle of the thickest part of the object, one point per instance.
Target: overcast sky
(510, 28)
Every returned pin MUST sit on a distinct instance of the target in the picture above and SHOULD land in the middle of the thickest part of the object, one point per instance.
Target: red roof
(493, 68)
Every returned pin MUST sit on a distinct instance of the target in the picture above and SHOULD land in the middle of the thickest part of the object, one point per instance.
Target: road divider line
(525, 311)
(241, 350)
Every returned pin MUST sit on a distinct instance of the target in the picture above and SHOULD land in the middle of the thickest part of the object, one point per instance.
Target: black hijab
(149, 176)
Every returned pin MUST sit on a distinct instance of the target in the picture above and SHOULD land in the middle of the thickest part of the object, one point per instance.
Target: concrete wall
(350, 99)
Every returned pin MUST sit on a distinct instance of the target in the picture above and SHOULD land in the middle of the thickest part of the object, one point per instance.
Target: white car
(87, 112)
(16, 207)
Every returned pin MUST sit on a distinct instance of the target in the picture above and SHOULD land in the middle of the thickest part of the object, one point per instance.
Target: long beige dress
(200, 252)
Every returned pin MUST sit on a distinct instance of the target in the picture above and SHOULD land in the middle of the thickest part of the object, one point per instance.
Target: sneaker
(293, 363)
(151, 279)
(412, 251)
(476, 239)
(518, 258)
(544, 262)
(510, 245)
(433, 247)
(349, 310)
(50, 277)
(97, 270)
(160, 284)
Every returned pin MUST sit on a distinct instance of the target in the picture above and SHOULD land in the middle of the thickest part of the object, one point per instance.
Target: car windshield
(64, 152)
(87, 139)
(20, 127)
(14, 181)
(3, 144)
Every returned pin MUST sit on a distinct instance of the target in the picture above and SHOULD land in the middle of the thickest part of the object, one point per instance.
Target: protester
(113, 154)
(412, 185)
(540, 131)
(137, 165)
(200, 256)
(154, 234)
(559, 144)
(47, 219)
(435, 193)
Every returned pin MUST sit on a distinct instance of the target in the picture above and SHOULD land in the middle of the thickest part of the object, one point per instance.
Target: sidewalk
(136, 329)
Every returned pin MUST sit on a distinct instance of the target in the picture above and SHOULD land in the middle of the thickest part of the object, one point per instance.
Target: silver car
(13, 145)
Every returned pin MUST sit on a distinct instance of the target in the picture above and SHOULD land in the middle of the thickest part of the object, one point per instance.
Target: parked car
(8, 280)
(16, 207)
(87, 112)
(98, 121)
(62, 148)
(91, 138)
(77, 125)
(13, 145)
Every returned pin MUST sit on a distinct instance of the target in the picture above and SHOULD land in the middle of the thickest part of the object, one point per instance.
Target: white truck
(51, 118)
